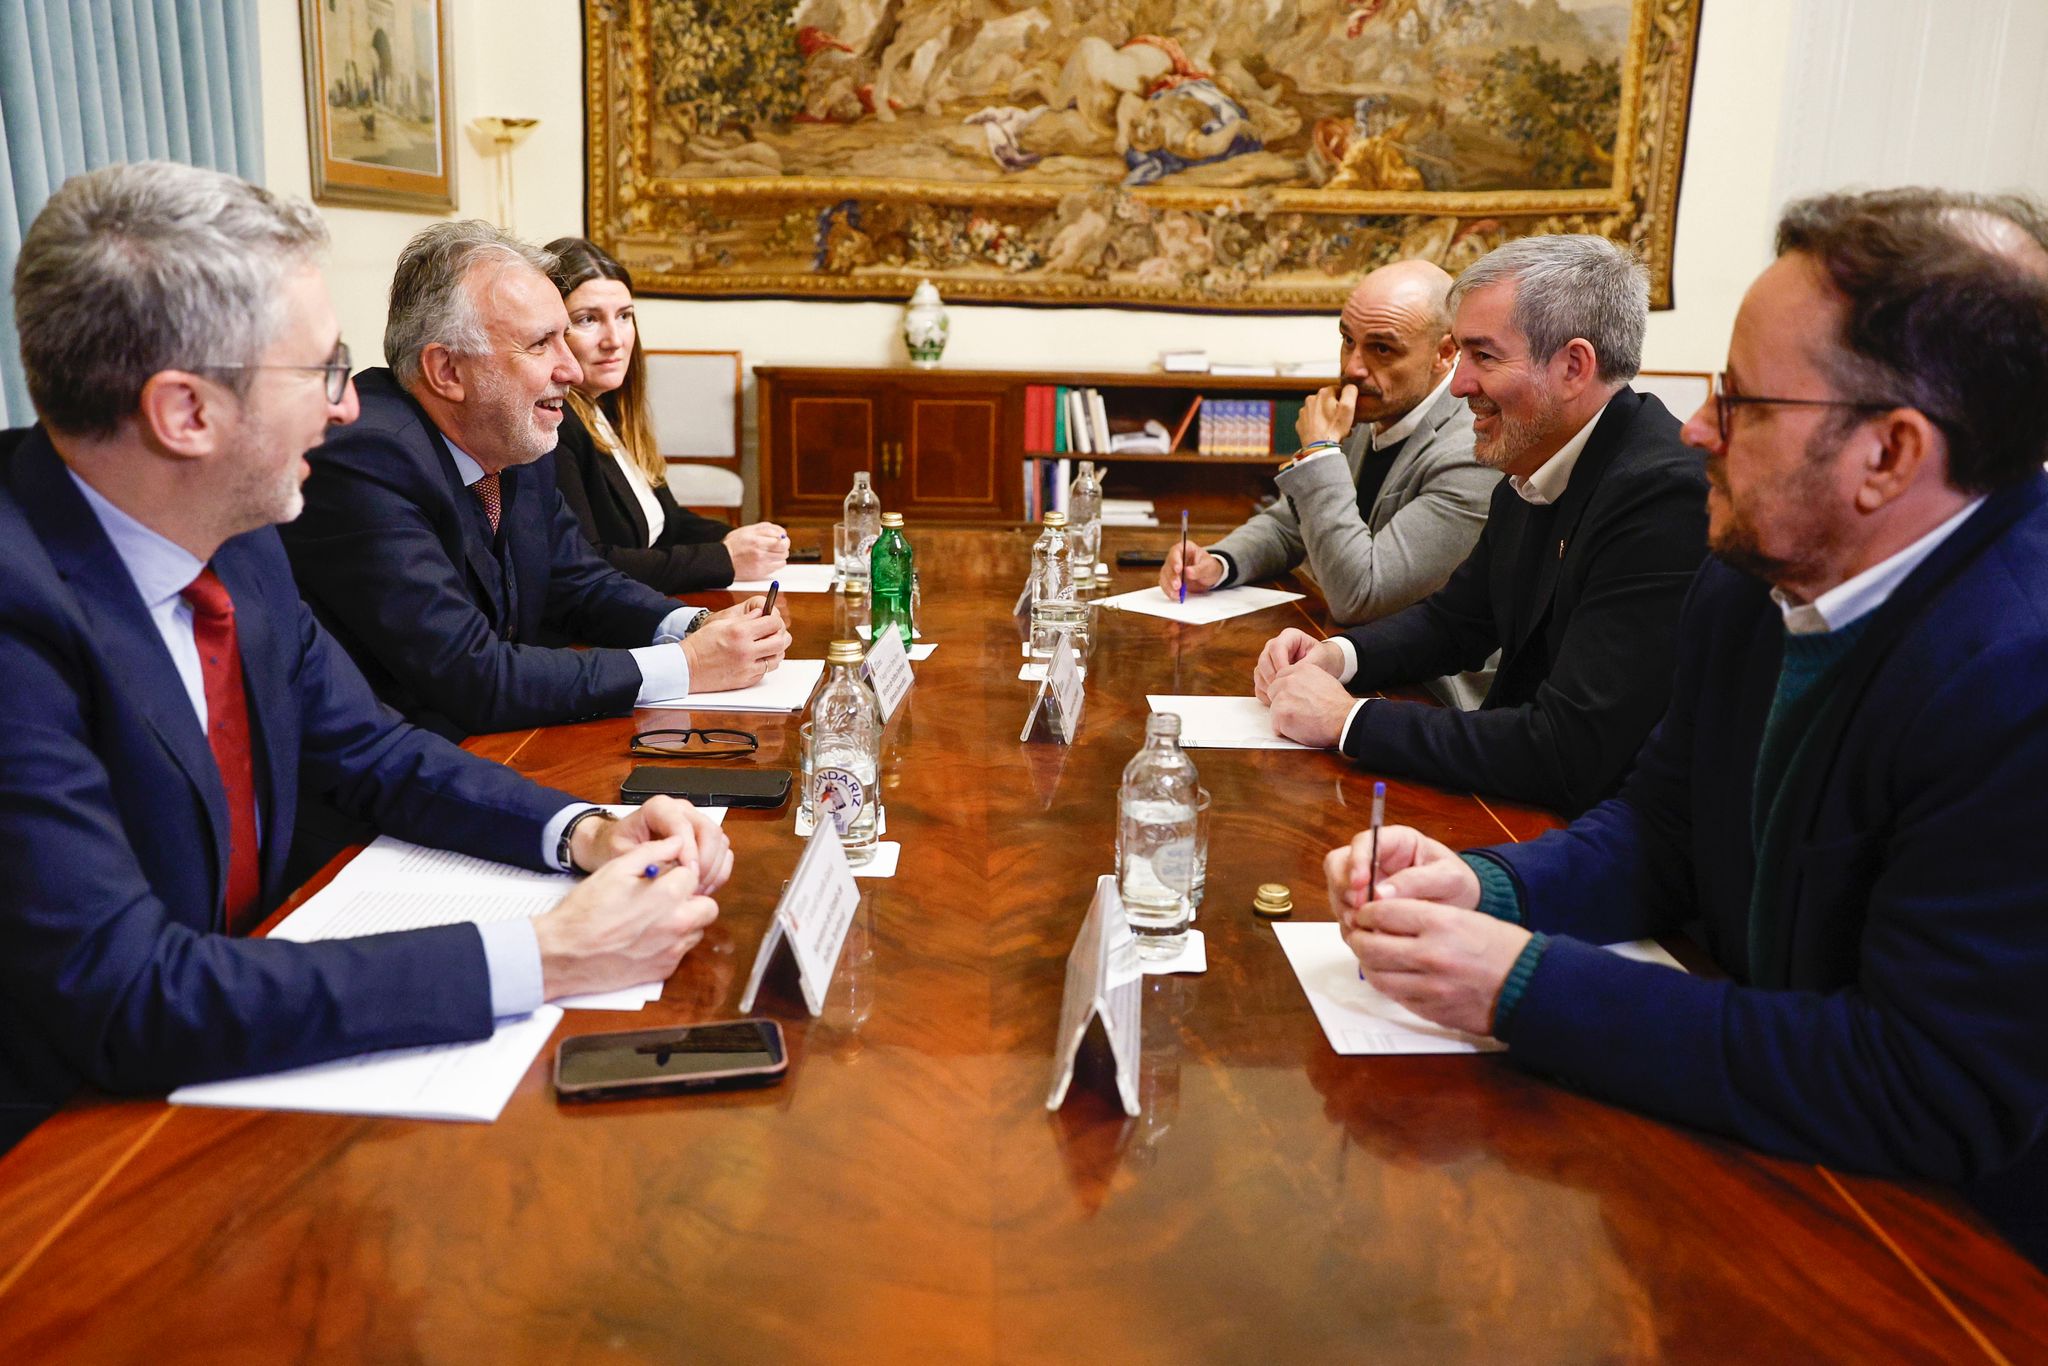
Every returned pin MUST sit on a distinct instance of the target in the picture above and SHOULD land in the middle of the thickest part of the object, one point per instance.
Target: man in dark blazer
(436, 546)
(1845, 793)
(167, 691)
(1577, 578)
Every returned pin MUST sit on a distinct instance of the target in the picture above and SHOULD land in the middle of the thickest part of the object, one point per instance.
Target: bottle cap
(853, 588)
(843, 652)
(1055, 519)
(1273, 901)
(892, 519)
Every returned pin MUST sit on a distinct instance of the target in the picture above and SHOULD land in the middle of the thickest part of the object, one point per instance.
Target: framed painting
(379, 104)
(1212, 154)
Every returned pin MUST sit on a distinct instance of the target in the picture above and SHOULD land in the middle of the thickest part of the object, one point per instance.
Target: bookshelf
(950, 445)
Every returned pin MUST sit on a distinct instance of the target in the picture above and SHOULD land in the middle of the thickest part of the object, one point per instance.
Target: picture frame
(380, 103)
(1212, 155)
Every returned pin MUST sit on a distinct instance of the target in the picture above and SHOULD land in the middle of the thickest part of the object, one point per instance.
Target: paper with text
(794, 578)
(888, 672)
(1358, 1018)
(1222, 722)
(1201, 608)
(1103, 976)
(786, 688)
(812, 919)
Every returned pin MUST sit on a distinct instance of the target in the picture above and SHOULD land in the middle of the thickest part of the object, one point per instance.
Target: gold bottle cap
(843, 652)
(854, 588)
(894, 519)
(1274, 901)
(1055, 519)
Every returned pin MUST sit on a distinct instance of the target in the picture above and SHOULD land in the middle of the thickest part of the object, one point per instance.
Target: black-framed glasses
(336, 367)
(696, 744)
(1725, 401)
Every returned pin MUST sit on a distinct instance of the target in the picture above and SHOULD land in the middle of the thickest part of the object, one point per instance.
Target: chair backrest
(695, 398)
(1682, 391)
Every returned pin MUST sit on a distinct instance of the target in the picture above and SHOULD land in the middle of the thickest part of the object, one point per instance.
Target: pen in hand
(1183, 554)
(774, 587)
(1379, 818)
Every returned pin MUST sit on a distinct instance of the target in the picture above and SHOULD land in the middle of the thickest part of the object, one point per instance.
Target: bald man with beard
(1385, 498)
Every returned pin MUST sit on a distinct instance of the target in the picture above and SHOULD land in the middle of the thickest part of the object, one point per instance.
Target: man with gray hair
(436, 545)
(167, 692)
(1578, 577)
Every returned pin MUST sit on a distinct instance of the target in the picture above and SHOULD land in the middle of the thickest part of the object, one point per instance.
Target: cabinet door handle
(897, 470)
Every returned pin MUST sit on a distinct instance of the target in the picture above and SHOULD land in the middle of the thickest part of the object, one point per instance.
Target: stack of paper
(1222, 722)
(794, 578)
(786, 688)
(1129, 512)
(1201, 608)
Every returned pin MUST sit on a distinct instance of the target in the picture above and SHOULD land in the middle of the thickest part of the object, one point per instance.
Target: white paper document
(1222, 722)
(794, 578)
(1358, 1018)
(1200, 609)
(461, 1081)
(786, 688)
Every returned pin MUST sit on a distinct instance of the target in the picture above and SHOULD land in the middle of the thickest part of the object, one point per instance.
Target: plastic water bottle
(1084, 525)
(862, 517)
(894, 573)
(1155, 852)
(1054, 606)
(846, 752)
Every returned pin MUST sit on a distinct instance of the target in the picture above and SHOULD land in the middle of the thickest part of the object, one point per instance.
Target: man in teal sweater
(1844, 793)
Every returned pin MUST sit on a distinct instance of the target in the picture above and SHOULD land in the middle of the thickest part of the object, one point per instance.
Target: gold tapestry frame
(745, 235)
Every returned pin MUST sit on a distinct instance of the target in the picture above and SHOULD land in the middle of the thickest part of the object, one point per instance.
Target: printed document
(786, 688)
(1223, 722)
(1200, 609)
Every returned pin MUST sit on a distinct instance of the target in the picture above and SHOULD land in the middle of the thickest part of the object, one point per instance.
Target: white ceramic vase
(925, 326)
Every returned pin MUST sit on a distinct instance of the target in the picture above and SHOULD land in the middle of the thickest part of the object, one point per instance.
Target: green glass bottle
(892, 568)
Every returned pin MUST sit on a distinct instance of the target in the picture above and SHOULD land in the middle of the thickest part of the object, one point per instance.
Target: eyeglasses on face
(1725, 403)
(336, 367)
(696, 744)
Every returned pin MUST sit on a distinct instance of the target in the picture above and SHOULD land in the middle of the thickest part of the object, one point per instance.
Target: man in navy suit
(1588, 546)
(1845, 791)
(167, 692)
(436, 546)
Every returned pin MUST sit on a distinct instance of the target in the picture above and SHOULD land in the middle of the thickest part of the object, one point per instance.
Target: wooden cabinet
(939, 448)
(948, 445)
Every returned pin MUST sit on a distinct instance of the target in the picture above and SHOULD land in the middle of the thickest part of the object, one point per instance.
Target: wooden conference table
(904, 1195)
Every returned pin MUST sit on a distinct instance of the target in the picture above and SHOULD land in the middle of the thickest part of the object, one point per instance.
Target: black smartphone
(1140, 559)
(655, 1062)
(809, 554)
(764, 787)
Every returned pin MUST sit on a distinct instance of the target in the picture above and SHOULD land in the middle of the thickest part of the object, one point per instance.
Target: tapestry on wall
(1216, 154)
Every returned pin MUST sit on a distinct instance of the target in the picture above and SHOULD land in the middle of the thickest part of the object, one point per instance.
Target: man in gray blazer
(1385, 499)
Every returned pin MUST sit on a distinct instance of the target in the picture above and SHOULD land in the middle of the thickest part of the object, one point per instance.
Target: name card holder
(888, 672)
(1056, 707)
(1103, 976)
(812, 919)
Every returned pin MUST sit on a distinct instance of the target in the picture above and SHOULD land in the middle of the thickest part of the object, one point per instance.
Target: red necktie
(486, 490)
(227, 731)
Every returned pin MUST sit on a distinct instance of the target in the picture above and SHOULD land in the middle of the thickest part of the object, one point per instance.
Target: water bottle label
(1173, 863)
(841, 793)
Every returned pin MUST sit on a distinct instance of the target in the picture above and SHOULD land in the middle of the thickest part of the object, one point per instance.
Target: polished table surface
(904, 1194)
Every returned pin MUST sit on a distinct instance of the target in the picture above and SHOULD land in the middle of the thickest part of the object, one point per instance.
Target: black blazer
(450, 626)
(687, 557)
(1582, 599)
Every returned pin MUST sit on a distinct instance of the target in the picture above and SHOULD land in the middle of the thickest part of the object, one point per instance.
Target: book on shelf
(1187, 420)
(1229, 367)
(1235, 426)
(1098, 417)
(1184, 362)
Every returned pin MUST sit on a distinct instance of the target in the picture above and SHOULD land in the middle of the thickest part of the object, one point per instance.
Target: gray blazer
(1424, 523)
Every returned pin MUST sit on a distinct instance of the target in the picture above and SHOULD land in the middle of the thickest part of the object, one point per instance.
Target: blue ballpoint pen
(1183, 554)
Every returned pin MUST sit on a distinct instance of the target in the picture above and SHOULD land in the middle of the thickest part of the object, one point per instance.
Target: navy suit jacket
(459, 631)
(688, 556)
(113, 969)
(1580, 597)
(1911, 1035)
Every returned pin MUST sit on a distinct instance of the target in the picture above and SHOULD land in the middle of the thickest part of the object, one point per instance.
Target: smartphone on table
(659, 1062)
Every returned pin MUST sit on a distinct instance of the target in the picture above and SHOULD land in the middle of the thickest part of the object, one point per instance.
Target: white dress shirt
(1855, 598)
(605, 435)
(664, 669)
(161, 570)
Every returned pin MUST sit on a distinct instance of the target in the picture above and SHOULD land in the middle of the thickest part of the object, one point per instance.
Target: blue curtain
(85, 83)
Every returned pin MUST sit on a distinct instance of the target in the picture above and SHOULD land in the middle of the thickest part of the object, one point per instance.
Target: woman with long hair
(611, 472)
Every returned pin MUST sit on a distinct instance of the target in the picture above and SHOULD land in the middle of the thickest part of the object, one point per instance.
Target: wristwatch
(703, 615)
(562, 858)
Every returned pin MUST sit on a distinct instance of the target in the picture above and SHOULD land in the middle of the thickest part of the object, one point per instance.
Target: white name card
(888, 671)
(1103, 974)
(812, 919)
(1056, 707)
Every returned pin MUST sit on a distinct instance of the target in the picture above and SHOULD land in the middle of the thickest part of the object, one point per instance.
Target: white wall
(1785, 94)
